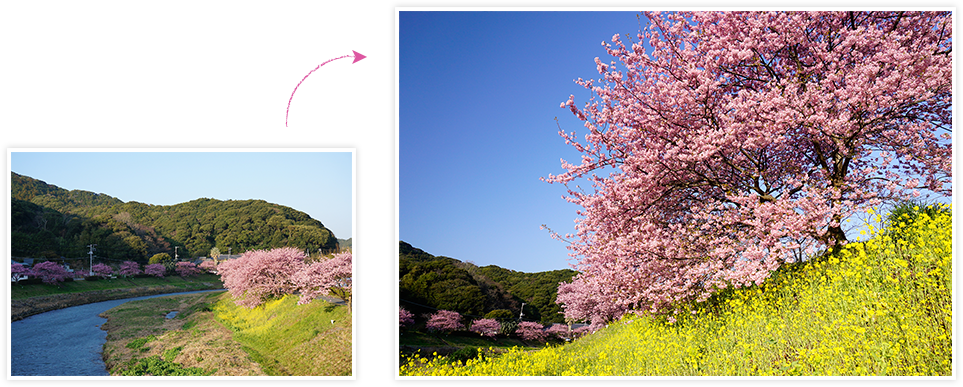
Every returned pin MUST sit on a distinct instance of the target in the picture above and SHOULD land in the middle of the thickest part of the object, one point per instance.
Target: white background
(200, 70)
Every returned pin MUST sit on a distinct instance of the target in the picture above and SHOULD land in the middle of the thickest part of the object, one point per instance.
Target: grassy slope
(213, 334)
(290, 339)
(882, 307)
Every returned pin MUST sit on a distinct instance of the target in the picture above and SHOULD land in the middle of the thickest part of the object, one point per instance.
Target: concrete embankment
(23, 308)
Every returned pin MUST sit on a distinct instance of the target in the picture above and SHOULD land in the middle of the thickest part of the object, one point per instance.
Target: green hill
(429, 282)
(50, 222)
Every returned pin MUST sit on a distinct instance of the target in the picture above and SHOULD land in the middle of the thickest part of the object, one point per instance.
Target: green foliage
(440, 284)
(139, 343)
(501, 315)
(48, 218)
(446, 283)
(162, 258)
(155, 366)
(537, 290)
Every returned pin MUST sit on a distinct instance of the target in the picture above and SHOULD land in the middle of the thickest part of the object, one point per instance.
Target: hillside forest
(49, 222)
(428, 283)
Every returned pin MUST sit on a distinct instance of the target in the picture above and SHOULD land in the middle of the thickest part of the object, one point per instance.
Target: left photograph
(181, 262)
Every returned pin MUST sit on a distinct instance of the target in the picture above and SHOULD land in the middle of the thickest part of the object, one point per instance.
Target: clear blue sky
(478, 96)
(318, 183)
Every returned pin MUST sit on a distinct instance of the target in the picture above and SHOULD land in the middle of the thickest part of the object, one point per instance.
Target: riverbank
(211, 335)
(74, 294)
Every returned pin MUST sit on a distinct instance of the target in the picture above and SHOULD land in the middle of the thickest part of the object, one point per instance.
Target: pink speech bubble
(319, 87)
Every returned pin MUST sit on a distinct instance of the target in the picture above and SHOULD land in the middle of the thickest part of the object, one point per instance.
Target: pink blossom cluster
(445, 321)
(18, 272)
(129, 268)
(486, 327)
(155, 269)
(329, 276)
(740, 141)
(186, 269)
(260, 275)
(208, 266)
(405, 318)
(49, 272)
(529, 330)
(101, 270)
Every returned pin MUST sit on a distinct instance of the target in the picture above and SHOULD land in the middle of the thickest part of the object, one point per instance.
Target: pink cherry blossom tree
(405, 318)
(155, 269)
(208, 266)
(18, 272)
(186, 269)
(559, 330)
(49, 272)
(257, 276)
(329, 276)
(529, 330)
(129, 268)
(724, 144)
(486, 327)
(445, 321)
(101, 270)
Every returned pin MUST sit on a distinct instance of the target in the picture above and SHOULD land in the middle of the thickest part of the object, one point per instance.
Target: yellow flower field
(882, 306)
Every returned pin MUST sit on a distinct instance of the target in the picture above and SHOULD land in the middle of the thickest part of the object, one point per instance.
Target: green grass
(290, 339)
(18, 291)
(879, 307)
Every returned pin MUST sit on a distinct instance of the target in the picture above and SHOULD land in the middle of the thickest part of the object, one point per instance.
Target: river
(64, 342)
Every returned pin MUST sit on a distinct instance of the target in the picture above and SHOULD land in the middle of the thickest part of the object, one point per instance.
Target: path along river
(63, 342)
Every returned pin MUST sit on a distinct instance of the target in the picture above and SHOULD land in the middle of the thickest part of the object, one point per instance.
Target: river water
(63, 342)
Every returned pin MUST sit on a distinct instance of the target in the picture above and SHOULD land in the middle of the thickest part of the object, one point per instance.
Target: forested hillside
(49, 221)
(430, 282)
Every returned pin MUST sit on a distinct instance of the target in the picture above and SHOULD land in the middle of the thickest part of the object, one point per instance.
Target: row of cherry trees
(52, 273)
(260, 275)
(446, 321)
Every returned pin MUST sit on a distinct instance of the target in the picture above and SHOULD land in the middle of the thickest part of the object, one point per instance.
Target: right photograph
(674, 194)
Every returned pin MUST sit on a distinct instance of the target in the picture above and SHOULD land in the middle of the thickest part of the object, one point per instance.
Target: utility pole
(91, 253)
(175, 253)
(521, 312)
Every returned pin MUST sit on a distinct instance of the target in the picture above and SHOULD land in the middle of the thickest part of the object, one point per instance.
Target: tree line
(428, 283)
(49, 222)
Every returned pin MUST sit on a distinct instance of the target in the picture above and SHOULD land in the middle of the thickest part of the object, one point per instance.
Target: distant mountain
(48, 222)
(428, 282)
(344, 243)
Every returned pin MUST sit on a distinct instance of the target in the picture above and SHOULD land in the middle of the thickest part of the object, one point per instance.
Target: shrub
(160, 258)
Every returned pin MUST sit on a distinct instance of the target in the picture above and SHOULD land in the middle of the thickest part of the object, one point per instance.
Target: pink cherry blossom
(737, 141)
(156, 269)
(486, 327)
(129, 268)
(445, 321)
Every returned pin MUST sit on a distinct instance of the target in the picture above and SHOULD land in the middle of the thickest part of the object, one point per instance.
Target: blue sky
(318, 183)
(478, 96)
